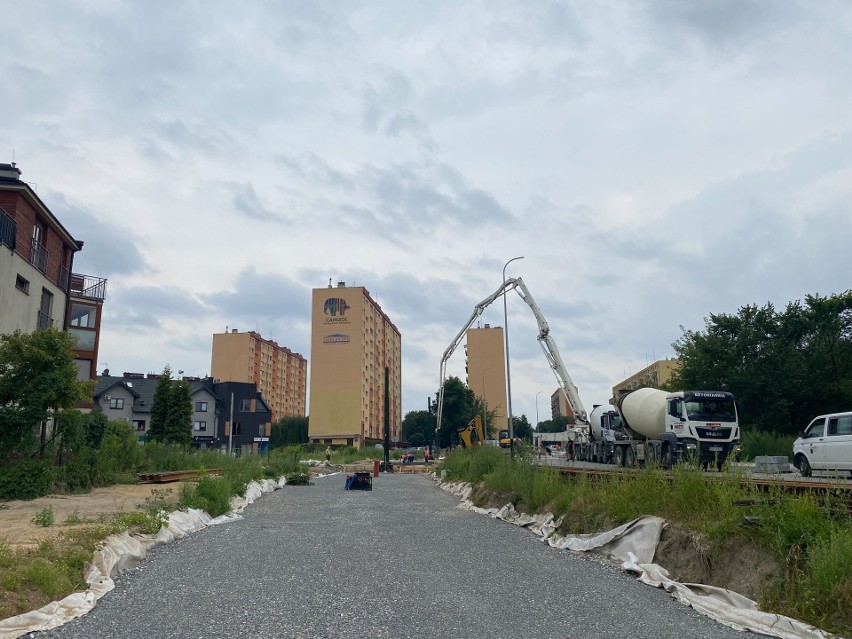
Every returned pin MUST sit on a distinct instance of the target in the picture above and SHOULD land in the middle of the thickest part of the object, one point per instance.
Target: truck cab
(705, 423)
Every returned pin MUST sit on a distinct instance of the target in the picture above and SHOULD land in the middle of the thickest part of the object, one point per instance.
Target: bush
(26, 479)
(298, 479)
(211, 494)
(283, 461)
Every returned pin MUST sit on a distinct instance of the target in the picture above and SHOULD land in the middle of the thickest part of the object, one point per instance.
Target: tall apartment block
(559, 406)
(279, 373)
(486, 370)
(651, 376)
(352, 343)
(38, 288)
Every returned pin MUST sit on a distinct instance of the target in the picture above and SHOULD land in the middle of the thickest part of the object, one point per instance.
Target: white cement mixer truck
(651, 425)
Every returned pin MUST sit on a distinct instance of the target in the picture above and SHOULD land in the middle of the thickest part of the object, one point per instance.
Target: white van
(826, 444)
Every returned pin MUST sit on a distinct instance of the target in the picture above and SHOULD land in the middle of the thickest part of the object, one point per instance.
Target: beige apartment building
(486, 371)
(559, 406)
(352, 343)
(651, 376)
(280, 374)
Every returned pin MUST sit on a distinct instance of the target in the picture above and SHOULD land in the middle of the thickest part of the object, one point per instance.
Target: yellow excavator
(473, 434)
(504, 439)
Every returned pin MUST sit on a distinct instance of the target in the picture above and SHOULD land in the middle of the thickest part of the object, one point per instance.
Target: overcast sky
(654, 162)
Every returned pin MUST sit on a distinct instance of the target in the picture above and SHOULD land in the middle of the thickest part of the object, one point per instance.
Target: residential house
(38, 288)
(131, 396)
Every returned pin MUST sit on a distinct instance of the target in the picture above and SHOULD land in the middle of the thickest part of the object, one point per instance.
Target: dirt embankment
(16, 521)
(691, 557)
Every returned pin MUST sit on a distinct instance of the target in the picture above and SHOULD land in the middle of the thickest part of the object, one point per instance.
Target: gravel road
(398, 561)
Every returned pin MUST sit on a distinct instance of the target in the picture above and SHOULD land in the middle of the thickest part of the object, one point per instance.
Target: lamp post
(484, 406)
(536, 415)
(508, 376)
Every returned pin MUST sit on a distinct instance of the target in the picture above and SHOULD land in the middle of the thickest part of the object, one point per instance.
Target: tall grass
(30, 579)
(812, 536)
(760, 442)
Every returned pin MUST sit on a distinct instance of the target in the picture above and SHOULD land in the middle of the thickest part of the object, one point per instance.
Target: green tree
(459, 408)
(38, 378)
(288, 431)
(490, 417)
(783, 367)
(522, 427)
(178, 428)
(160, 406)
(556, 425)
(419, 425)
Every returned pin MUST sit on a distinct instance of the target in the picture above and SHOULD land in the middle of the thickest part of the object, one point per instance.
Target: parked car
(826, 444)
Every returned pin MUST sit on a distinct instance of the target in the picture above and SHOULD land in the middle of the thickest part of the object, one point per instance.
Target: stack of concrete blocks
(771, 464)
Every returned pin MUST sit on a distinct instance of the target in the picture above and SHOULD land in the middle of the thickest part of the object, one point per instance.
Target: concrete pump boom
(548, 346)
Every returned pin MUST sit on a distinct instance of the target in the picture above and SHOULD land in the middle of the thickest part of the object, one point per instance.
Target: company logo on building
(335, 305)
(335, 308)
(336, 338)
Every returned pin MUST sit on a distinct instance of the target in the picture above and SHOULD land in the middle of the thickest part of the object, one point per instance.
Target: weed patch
(44, 517)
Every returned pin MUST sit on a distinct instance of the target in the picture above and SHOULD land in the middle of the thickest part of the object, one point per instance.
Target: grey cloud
(388, 108)
(109, 249)
(765, 236)
(145, 307)
(196, 137)
(270, 297)
(719, 22)
(314, 168)
(406, 122)
(248, 204)
(391, 201)
(431, 195)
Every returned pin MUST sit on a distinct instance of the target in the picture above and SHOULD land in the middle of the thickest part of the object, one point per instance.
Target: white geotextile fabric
(122, 551)
(632, 545)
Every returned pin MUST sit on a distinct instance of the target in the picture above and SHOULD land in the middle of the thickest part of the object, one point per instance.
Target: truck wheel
(666, 457)
(803, 465)
(629, 458)
(619, 456)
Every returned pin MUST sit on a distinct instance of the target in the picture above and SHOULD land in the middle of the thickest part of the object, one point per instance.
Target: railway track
(839, 487)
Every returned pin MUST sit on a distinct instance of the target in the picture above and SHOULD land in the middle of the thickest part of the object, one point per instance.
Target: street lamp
(508, 376)
(536, 417)
(484, 406)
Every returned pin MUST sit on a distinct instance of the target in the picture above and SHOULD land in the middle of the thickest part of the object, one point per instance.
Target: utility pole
(231, 429)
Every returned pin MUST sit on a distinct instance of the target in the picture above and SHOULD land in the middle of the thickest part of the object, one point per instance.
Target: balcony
(8, 230)
(38, 257)
(88, 286)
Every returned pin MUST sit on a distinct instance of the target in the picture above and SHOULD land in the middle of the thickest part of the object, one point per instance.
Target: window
(201, 426)
(139, 425)
(840, 425)
(817, 429)
(22, 285)
(44, 318)
(84, 369)
(200, 407)
(116, 403)
(83, 315)
(245, 405)
(238, 428)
